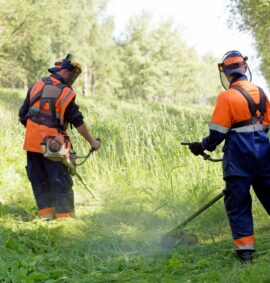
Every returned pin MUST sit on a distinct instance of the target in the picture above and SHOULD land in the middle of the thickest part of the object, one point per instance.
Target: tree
(158, 65)
(90, 37)
(24, 45)
(255, 16)
(34, 34)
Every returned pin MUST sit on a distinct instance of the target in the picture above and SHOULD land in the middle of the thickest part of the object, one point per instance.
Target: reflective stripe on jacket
(41, 120)
(247, 148)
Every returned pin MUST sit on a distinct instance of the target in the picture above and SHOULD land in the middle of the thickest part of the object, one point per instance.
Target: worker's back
(247, 147)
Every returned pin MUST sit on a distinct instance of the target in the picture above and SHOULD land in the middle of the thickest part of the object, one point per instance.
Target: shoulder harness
(48, 94)
(253, 108)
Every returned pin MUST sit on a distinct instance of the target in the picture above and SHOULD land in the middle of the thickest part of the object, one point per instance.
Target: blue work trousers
(238, 202)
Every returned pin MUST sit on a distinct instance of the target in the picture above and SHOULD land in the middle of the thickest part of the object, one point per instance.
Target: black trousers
(51, 183)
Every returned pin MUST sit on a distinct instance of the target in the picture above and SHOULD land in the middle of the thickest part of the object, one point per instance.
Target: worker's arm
(220, 123)
(85, 133)
(24, 109)
(75, 117)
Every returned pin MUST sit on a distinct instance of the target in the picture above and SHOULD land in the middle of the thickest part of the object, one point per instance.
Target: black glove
(196, 148)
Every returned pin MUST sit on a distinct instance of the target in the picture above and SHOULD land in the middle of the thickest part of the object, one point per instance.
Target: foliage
(159, 66)
(255, 17)
(145, 183)
(34, 34)
(151, 61)
(23, 47)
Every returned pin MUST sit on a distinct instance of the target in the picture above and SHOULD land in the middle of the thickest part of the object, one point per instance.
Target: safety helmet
(73, 67)
(233, 63)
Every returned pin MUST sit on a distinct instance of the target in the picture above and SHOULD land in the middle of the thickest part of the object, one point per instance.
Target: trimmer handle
(185, 143)
(92, 149)
(204, 155)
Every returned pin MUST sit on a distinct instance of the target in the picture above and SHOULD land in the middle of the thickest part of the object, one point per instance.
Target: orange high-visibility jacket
(232, 107)
(247, 147)
(49, 99)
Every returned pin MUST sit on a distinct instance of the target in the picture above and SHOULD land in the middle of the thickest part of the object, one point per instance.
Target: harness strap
(38, 94)
(262, 106)
(48, 94)
(253, 108)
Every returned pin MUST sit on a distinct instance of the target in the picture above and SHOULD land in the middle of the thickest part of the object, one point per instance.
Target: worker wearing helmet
(241, 117)
(47, 109)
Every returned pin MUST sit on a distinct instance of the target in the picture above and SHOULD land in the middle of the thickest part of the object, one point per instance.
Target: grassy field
(145, 183)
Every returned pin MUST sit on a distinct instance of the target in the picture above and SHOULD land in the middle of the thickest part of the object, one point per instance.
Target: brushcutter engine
(59, 148)
(56, 148)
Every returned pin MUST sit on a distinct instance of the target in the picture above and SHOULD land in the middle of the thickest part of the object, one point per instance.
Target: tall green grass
(145, 183)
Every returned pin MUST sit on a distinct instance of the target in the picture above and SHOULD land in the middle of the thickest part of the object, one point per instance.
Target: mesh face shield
(224, 81)
(73, 67)
(77, 69)
(233, 64)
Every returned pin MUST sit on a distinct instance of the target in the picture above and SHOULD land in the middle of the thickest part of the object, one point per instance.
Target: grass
(145, 183)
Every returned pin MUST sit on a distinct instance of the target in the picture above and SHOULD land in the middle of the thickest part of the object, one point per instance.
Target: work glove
(196, 148)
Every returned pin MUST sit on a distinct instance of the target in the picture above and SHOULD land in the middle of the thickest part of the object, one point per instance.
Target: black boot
(245, 256)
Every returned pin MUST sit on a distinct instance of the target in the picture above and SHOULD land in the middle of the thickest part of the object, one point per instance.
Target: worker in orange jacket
(47, 109)
(241, 117)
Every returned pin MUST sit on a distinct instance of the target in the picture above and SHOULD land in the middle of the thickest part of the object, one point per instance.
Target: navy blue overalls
(241, 117)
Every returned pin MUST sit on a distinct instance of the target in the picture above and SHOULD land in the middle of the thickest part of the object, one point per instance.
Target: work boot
(245, 256)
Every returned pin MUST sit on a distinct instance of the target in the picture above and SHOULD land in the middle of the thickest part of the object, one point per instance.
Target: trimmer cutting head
(180, 238)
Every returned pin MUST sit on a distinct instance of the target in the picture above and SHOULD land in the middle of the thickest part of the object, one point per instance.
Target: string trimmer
(177, 235)
(59, 148)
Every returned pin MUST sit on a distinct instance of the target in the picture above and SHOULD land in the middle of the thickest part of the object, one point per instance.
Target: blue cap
(64, 64)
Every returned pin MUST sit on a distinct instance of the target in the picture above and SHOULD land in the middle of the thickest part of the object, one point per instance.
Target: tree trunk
(92, 79)
(85, 80)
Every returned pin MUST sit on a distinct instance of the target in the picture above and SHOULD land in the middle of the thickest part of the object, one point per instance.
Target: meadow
(145, 183)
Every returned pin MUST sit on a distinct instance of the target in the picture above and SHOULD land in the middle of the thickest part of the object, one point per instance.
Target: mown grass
(145, 183)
